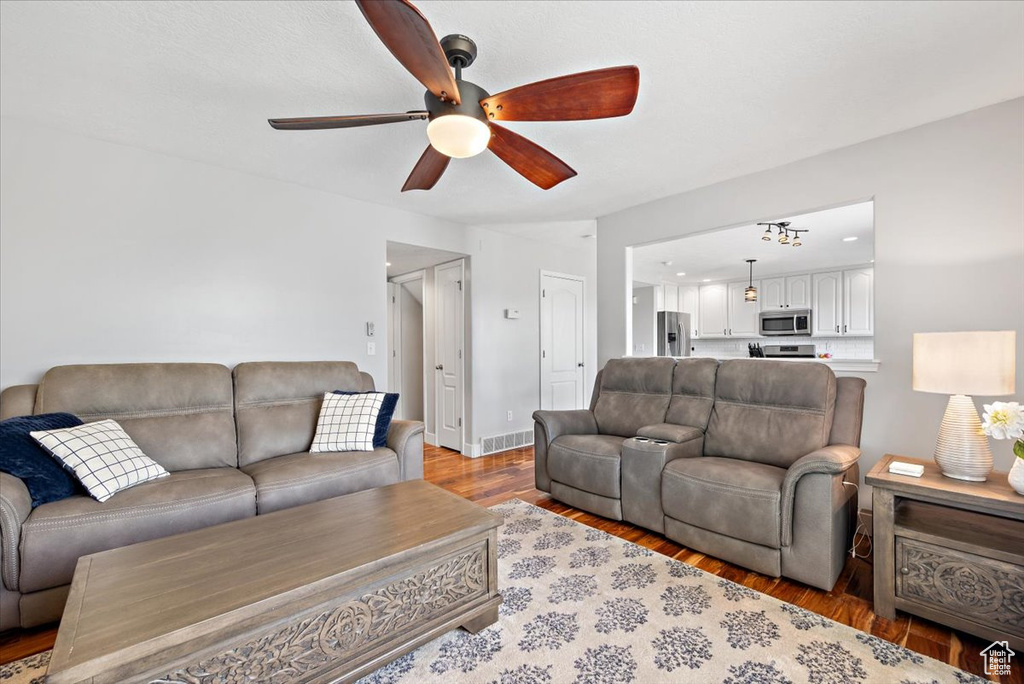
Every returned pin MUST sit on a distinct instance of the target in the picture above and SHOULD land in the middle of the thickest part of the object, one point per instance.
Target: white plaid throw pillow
(347, 422)
(101, 455)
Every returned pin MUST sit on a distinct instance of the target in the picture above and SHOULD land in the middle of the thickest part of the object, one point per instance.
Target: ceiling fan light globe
(458, 136)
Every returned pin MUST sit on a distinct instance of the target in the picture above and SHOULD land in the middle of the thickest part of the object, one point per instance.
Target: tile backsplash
(839, 347)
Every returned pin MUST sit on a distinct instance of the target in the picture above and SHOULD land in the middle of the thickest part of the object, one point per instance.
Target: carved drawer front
(982, 589)
(312, 644)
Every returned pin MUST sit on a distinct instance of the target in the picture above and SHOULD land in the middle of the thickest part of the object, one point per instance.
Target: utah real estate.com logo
(997, 658)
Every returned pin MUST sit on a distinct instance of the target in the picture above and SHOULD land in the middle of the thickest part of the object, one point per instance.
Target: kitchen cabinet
(743, 320)
(772, 294)
(689, 302)
(827, 304)
(666, 297)
(791, 292)
(713, 312)
(798, 292)
(858, 302)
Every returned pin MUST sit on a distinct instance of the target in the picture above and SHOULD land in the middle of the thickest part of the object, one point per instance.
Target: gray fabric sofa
(749, 460)
(235, 443)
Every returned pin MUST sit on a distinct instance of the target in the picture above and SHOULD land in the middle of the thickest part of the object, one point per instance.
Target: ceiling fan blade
(322, 122)
(596, 94)
(407, 33)
(529, 159)
(427, 170)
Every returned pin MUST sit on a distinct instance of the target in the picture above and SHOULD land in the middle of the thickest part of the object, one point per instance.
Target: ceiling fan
(462, 115)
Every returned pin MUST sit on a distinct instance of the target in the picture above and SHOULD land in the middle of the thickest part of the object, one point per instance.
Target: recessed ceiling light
(666, 263)
(387, 263)
(680, 273)
(849, 239)
(588, 236)
(707, 280)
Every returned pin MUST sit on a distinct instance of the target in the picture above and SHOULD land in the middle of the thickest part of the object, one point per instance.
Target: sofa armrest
(558, 423)
(834, 459)
(548, 426)
(405, 438)
(670, 432)
(15, 505)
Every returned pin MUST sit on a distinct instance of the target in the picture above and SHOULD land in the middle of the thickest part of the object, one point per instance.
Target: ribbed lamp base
(962, 450)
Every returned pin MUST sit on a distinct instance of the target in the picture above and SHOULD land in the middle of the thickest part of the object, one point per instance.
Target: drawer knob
(905, 571)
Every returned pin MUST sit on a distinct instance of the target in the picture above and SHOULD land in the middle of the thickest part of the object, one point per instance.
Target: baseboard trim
(429, 438)
(472, 450)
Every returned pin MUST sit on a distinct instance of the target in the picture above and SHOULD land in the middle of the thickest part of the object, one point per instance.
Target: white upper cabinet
(798, 292)
(689, 302)
(791, 292)
(858, 302)
(773, 294)
(713, 311)
(827, 304)
(671, 298)
(742, 314)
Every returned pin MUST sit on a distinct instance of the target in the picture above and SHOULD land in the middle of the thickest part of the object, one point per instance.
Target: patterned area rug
(584, 607)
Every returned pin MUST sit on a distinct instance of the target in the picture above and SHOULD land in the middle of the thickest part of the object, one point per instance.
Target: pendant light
(796, 238)
(750, 293)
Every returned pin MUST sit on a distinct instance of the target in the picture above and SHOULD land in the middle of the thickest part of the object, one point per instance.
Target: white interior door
(448, 365)
(562, 342)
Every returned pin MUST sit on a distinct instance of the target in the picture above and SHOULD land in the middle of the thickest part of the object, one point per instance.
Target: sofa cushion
(57, 533)
(277, 403)
(23, 457)
(736, 498)
(634, 393)
(587, 462)
(769, 411)
(101, 455)
(296, 479)
(180, 414)
(693, 392)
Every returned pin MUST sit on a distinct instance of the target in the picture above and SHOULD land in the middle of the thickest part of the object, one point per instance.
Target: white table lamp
(962, 364)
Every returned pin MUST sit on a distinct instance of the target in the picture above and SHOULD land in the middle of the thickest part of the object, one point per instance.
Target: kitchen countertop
(838, 365)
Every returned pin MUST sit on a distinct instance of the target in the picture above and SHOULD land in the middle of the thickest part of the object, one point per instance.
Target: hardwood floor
(509, 475)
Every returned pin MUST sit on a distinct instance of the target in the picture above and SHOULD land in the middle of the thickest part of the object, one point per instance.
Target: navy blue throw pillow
(21, 456)
(387, 412)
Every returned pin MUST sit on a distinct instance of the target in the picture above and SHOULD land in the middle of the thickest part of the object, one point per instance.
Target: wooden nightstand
(949, 550)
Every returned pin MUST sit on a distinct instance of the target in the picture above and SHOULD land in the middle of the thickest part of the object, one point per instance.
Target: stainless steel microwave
(786, 322)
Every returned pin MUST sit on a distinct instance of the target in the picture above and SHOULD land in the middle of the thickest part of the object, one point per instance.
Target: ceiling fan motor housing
(470, 106)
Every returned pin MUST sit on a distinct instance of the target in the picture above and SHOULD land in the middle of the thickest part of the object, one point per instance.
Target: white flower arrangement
(1005, 420)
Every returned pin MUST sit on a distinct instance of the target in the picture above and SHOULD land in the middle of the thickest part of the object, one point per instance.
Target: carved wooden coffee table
(325, 592)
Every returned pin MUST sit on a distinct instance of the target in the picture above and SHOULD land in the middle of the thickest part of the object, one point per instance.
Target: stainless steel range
(793, 351)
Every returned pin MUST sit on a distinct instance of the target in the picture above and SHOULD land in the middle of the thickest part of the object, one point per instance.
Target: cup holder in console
(641, 439)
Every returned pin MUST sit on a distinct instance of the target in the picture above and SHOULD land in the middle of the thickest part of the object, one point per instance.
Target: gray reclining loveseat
(236, 445)
(749, 460)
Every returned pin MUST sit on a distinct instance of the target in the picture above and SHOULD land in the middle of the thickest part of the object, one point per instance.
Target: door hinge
(460, 422)
(392, 299)
(460, 285)
(543, 354)
(543, 293)
(460, 353)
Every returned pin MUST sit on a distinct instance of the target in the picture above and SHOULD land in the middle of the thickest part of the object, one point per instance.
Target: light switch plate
(371, 349)
(511, 313)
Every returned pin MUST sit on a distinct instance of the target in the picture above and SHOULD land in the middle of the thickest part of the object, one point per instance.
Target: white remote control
(911, 469)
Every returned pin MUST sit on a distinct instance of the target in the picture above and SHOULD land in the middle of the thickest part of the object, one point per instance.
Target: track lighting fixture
(784, 233)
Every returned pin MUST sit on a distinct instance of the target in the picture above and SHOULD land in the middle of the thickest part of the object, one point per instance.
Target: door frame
(462, 357)
(540, 330)
(395, 334)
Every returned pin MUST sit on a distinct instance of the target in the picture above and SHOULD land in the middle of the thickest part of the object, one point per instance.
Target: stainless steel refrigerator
(673, 333)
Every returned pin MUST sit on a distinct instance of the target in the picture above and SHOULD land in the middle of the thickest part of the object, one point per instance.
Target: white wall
(645, 324)
(949, 249)
(506, 359)
(114, 254)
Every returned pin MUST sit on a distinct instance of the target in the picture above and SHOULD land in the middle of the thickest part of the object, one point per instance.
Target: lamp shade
(979, 363)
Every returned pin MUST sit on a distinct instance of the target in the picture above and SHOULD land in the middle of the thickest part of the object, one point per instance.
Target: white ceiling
(722, 254)
(727, 88)
(403, 258)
